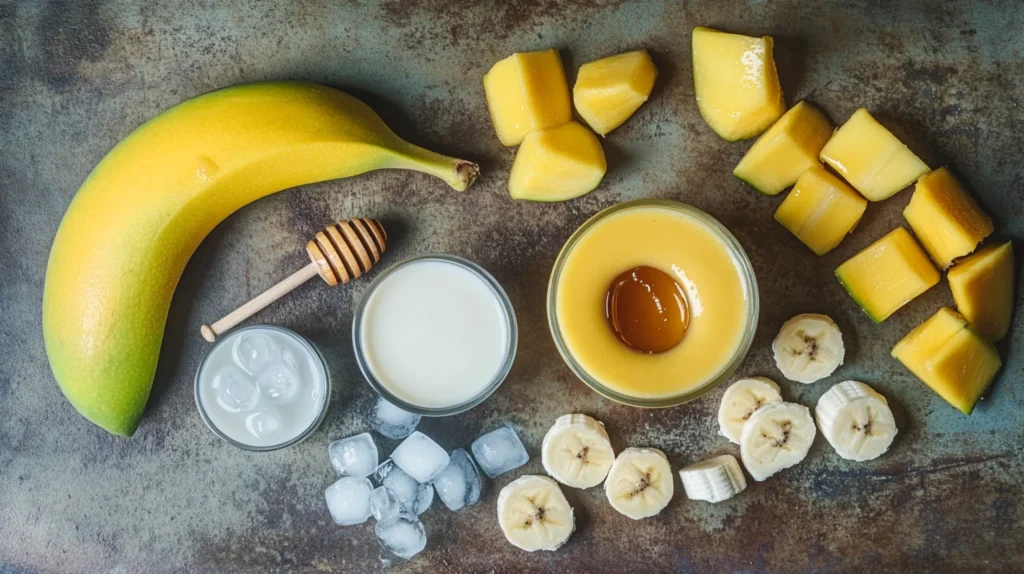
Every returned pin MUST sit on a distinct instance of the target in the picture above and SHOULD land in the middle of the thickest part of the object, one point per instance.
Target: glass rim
(511, 326)
(303, 342)
(742, 263)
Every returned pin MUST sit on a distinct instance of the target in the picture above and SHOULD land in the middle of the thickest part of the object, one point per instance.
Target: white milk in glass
(262, 386)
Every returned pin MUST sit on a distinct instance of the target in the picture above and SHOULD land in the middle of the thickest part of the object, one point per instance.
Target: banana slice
(713, 480)
(639, 483)
(775, 437)
(576, 451)
(808, 348)
(534, 514)
(740, 400)
(856, 421)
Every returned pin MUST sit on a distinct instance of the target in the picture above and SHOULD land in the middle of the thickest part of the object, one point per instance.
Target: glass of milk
(262, 387)
(435, 334)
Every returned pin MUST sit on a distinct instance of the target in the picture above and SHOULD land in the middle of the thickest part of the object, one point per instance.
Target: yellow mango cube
(887, 274)
(557, 164)
(736, 83)
(982, 286)
(874, 161)
(784, 152)
(609, 90)
(821, 210)
(953, 360)
(525, 93)
(945, 218)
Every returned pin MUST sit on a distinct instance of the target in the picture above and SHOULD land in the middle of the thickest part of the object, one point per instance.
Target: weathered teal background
(77, 76)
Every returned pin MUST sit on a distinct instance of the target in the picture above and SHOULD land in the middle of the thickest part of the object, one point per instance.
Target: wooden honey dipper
(340, 253)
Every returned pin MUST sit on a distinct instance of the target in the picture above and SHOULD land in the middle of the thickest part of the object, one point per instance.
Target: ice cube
(402, 535)
(354, 456)
(413, 496)
(348, 499)
(235, 390)
(384, 503)
(278, 381)
(263, 423)
(254, 352)
(499, 451)
(459, 484)
(420, 457)
(391, 421)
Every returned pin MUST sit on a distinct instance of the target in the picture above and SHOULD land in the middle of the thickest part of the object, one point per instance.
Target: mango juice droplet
(647, 310)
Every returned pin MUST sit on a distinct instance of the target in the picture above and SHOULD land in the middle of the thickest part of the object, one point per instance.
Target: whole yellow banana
(140, 214)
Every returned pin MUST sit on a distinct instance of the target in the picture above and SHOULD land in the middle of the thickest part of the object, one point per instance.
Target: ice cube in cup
(263, 423)
(235, 391)
(254, 352)
(402, 535)
(384, 503)
(354, 456)
(420, 457)
(459, 484)
(348, 499)
(278, 381)
(391, 421)
(413, 496)
(499, 451)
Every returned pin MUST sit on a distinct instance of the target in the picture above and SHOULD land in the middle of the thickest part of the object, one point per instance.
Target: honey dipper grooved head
(345, 250)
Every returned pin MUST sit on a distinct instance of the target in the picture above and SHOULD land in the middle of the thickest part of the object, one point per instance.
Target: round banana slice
(639, 483)
(576, 451)
(775, 437)
(856, 421)
(713, 480)
(740, 400)
(808, 348)
(534, 514)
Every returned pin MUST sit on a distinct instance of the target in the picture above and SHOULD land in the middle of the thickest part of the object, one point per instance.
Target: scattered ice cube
(278, 381)
(235, 391)
(254, 352)
(413, 496)
(263, 423)
(402, 535)
(459, 484)
(354, 456)
(348, 499)
(499, 451)
(391, 421)
(420, 457)
(384, 503)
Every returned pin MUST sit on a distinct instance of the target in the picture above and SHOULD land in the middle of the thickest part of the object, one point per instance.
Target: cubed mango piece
(609, 90)
(949, 357)
(525, 93)
(887, 274)
(945, 218)
(982, 287)
(736, 83)
(557, 164)
(874, 161)
(820, 210)
(784, 152)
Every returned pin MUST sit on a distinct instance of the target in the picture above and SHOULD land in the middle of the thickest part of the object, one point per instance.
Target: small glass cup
(510, 351)
(749, 284)
(321, 368)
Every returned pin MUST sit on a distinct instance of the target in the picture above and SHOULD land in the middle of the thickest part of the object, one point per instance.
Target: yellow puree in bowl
(688, 250)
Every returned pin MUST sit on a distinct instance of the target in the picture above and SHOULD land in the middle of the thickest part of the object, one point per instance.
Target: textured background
(77, 76)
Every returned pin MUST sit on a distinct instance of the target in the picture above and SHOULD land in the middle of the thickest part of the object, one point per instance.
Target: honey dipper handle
(235, 317)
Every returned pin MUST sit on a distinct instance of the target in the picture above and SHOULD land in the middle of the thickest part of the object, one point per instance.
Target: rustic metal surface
(77, 76)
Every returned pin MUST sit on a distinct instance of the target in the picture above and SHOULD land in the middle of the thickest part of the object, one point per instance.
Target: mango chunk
(821, 210)
(945, 218)
(525, 93)
(736, 82)
(953, 360)
(557, 164)
(789, 148)
(982, 286)
(609, 90)
(887, 274)
(874, 161)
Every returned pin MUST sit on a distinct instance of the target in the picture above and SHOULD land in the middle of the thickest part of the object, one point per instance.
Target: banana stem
(458, 173)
